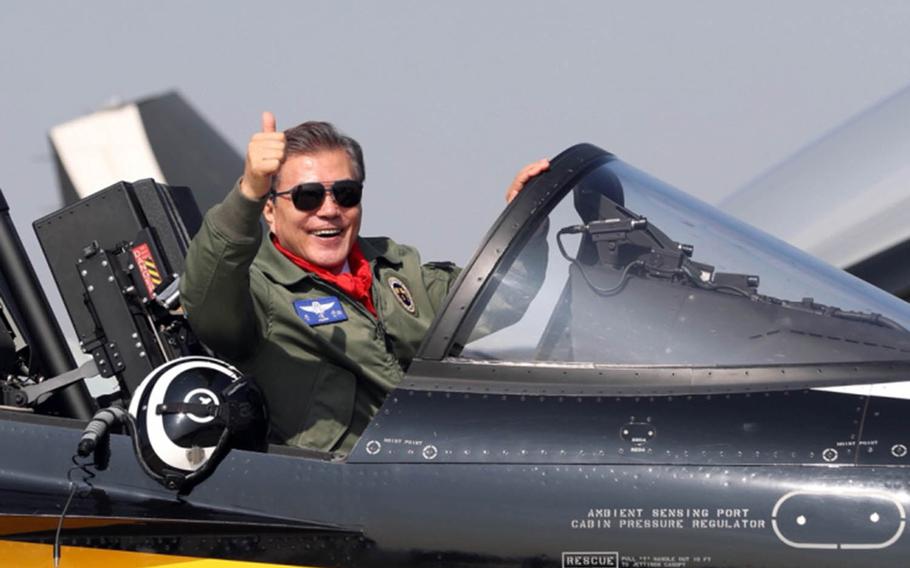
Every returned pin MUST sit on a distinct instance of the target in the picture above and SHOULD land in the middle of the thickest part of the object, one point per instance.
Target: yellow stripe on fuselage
(28, 555)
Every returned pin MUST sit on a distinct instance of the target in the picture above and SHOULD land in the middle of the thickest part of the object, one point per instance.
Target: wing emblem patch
(320, 311)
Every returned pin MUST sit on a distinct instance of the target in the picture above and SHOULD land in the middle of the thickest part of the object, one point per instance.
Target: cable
(623, 278)
(570, 230)
(868, 317)
(88, 475)
(699, 283)
(60, 525)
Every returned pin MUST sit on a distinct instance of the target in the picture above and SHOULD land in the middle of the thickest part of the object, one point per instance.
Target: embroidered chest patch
(402, 294)
(320, 310)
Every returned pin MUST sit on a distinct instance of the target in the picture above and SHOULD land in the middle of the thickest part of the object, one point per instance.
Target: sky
(450, 99)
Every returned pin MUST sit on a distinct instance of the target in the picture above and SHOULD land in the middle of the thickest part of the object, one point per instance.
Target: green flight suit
(324, 382)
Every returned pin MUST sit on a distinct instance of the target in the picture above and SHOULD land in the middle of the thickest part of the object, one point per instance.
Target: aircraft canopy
(637, 272)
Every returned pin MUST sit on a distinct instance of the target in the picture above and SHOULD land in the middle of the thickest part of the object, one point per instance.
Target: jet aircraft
(679, 391)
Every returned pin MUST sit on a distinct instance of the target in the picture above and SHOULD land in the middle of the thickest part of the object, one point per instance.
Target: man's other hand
(525, 175)
(264, 156)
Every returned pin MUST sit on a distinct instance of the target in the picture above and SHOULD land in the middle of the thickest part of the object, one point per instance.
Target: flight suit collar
(280, 269)
(378, 248)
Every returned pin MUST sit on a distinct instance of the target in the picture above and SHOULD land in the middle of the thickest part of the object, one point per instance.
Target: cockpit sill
(594, 379)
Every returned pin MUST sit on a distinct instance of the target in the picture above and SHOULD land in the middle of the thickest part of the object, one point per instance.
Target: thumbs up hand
(264, 156)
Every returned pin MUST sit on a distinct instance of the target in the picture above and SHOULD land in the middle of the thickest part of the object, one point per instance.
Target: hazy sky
(450, 99)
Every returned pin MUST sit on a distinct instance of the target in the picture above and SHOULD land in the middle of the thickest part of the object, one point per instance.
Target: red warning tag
(147, 267)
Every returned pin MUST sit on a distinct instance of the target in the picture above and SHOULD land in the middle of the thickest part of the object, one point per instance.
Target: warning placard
(145, 262)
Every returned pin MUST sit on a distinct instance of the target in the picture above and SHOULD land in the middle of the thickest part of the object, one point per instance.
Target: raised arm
(215, 288)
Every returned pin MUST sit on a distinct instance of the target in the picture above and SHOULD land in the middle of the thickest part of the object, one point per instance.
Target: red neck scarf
(357, 284)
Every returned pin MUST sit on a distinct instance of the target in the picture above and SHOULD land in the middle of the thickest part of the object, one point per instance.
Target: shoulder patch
(402, 294)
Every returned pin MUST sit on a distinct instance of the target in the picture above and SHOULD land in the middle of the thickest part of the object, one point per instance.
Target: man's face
(325, 235)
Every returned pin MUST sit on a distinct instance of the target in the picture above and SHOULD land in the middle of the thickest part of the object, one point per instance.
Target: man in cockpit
(326, 321)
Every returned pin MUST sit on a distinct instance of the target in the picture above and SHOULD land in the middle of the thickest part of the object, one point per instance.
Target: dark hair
(312, 136)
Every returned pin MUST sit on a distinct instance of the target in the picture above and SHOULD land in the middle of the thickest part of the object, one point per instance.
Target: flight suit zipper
(380, 331)
(377, 301)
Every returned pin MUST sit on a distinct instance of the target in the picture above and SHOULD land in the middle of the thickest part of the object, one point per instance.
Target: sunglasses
(309, 196)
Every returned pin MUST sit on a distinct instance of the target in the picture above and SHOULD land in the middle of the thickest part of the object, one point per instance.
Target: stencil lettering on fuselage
(681, 518)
